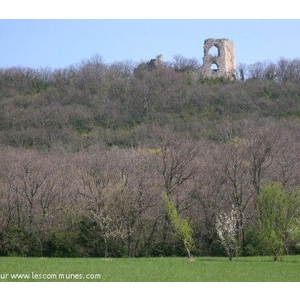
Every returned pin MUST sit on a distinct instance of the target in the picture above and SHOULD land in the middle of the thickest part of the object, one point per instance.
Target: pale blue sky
(59, 43)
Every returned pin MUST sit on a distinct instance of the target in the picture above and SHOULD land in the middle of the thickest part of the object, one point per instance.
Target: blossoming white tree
(108, 228)
(226, 226)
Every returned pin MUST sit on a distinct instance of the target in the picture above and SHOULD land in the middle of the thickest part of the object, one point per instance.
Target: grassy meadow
(257, 269)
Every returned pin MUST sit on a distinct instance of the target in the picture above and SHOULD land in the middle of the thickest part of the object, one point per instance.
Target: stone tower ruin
(219, 59)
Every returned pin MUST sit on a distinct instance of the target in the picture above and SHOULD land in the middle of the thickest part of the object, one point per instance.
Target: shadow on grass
(247, 259)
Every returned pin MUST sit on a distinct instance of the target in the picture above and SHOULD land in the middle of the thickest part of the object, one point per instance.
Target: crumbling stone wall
(221, 64)
(151, 65)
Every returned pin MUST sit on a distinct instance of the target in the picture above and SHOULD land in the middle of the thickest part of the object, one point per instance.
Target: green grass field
(149, 269)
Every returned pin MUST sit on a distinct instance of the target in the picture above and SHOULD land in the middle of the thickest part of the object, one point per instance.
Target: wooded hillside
(87, 151)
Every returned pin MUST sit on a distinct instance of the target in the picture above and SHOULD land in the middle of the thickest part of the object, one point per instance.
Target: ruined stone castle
(221, 61)
(218, 60)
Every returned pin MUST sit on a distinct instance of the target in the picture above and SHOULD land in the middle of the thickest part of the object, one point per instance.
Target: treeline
(87, 153)
(79, 106)
(108, 201)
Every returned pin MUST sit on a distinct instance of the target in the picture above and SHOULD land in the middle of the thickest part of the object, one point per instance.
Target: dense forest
(88, 151)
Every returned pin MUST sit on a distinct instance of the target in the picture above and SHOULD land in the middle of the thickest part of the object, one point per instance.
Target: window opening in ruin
(214, 51)
(214, 67)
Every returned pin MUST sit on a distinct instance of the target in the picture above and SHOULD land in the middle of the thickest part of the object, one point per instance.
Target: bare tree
(239, 183)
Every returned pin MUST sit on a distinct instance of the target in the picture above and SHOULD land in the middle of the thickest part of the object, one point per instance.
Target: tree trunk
(105, 249)
(129, 241)
(189, 253)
